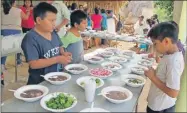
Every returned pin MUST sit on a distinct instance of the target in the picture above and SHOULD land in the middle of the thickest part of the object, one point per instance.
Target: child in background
(166, 78)
(73, 41)
(143, 47)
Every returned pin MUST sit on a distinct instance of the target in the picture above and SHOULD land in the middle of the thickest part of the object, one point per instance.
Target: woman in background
(29, 23)
(11, 23)
(97, 19)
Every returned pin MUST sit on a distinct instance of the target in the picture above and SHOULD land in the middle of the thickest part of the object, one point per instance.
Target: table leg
(16, 68)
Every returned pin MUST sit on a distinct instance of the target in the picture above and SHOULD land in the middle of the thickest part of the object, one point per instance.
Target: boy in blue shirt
(42, 46)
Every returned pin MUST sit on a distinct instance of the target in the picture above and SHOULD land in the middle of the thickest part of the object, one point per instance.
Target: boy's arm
(172, 85)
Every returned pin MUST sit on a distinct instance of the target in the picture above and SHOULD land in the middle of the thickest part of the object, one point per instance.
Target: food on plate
(135, 81)
(111, 66)
(145, 63)
(128, 53)
(76, 69)
(58, 78)
(62, 101)
(106, 53)
(97, 81)
(31, 93)
(116, 95)
(95, 59)
(100, 72)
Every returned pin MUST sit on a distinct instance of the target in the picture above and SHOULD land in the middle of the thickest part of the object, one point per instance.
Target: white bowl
(47, 76)
(145, 57)
(121, 60)
(127, 53)
(105, 64)
(112, 49)
(76, 65)
(105, 55)
(53, 95)
(135, 77)
(82, 79)
(88, 59)
(100, 76)
(117, 88)
(145, 63)
(137, 71)
(20, 90)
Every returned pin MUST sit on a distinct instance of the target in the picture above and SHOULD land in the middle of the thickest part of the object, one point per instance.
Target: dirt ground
(23, 75)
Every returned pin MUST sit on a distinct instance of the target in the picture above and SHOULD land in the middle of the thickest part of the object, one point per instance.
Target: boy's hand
(64, 59)
(67, 54)
(150, 73)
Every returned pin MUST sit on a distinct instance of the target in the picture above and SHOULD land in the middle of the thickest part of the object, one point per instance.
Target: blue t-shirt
(89, 22)
(37, 47)
(104, 21)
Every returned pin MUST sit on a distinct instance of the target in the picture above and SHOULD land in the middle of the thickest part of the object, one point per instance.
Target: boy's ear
(167, 40)
(38, 20)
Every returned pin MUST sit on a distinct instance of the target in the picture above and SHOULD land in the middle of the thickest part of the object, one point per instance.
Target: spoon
(102, 94)
(15, 90)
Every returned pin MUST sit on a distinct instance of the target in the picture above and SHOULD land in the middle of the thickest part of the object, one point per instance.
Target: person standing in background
(11, 24)
(97, 19)
(29, 23)
(103, 24)
(81, 7)
(73, 7)
(63, 17)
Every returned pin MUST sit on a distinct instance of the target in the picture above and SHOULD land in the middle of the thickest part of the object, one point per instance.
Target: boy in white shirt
(166, 78)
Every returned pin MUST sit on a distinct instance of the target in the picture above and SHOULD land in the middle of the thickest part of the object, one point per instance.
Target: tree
(164, 9)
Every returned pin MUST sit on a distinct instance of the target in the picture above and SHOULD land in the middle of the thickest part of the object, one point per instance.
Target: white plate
(105, 64)
(47, 76)
(135, 77)
(145, 57)
(128, 53)
(107, 55)
(20, 90)
(102, 77)
(94, 110)
(145, 63)
(117, 88)
(76, 65)
(112, 49)
(88, 59)
(138, 71)
(52, 95)
(120, 60)
(82, 79)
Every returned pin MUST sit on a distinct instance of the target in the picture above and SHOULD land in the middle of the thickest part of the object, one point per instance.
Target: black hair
(77, 17)
(150, 22)
(103, 11)
(155, 16)
(25, 5)
(142, 16)
(41, 9)
(73, 6)
(7, 5)
(96, 10)
(175, 24)
(163, 30)
(109, 11)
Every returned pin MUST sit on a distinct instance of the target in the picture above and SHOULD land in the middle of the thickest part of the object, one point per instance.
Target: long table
(15, 105)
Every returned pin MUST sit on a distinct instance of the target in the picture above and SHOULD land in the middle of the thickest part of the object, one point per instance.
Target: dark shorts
(169, 110)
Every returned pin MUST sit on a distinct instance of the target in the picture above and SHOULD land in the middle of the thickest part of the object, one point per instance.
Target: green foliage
(164, 9)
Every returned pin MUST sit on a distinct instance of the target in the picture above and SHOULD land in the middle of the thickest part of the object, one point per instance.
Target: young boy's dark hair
(175, 24)
(77, 16)
(41, 9)
(163, 30)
